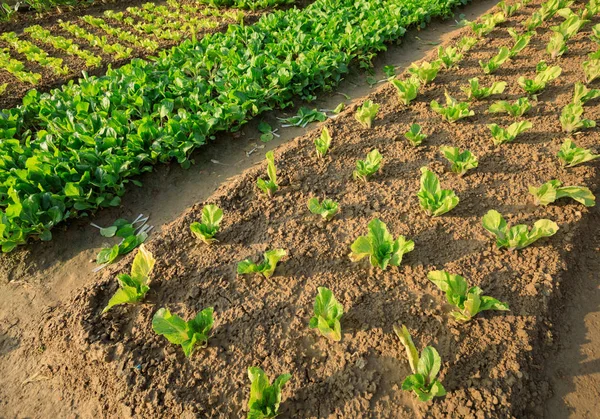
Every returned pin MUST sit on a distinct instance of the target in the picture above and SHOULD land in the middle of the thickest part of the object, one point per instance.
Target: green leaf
(267, 267)
(368, 167)
(366, 113)
(328, 312)
(326, 209)
(179, 332)
(323, 142)
(433, 199)
(264, 398)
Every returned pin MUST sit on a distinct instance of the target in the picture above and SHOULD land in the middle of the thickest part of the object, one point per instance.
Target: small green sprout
(426, 72)
(591, 69)
(553, 190)
(519, 236)
(544, 74)
(571, 118)
(433, 199)
(328, 312)
(265, 397)
(496, 61)
(368, 167)
(557, 45)
(466, 43)
(475, 91)
(407, 89)
(366, 113)
(326, 209)
(521, 42)
(449, 56)
(453, 111)
(266, 268)
(571, 155)
(516, 109)
(415, 135)
(269, 187)
(505, 135)
(509, 9)
(179, 332)
(582, 94)
(322, 143)
(211, 218)
(461, 161)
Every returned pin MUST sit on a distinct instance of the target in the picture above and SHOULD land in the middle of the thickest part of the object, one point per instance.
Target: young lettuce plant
(571, 155)
(366, 113)
(328, 312)
(475, 91)
(366, 168)
(591, 69)
(533, 22)
(495, 62)
(188, 334)
(322, 143)
(269, 187)
(570, 26)
(453, 111)
(407, 89)
(595, 36)
(426, 72)
(553, 190)
(326, 208)
(449, 56)
(415, 135)
(571, 118)
(134, 286)
(211, 218)
(265, 397)
(521, 42)
(544, 74)
(380, 246)
(423, 381)
(505, 135)
(466, 43)
(582, 94)
(509, 9)
(468, 300)
(266, 268)
(486, 24)
(519, 236)
(461, 161)
(515, 109)
(433, 199)
(557, 45)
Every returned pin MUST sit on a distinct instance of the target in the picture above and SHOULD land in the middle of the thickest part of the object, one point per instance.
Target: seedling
(544, 74)
(591, 69)
(582, 94)
(415, 135)
(475, 91)
(466, 43)
(519, 236)
(322, 143)
(453, 111)
(505, 135)
(570, 155)
(265, 397)
(188, 334)
(449, 56)
(366, 113)
(468, 300)
(211, 218)
(266, 268)
(557, 45)
(368, 167)
(380, 246)
(269, 187)
(407, 90)
(534, 21)
(570, 26)
(552, 190)
(521, 42)
(423, 381)
(328, 313)
(516, 109)
(266, 132)
(509, 9)
(134, 286)
(433, 199)
(571, 118)
(326, 209)
(426, 72)
(461, 161)
(486, 24)
(304, 117)
(595, 36)
(495, 62)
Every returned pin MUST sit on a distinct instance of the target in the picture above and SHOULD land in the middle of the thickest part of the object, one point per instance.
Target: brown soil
(492, 367)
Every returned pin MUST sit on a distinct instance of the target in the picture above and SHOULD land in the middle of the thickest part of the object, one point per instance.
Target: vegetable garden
(405, 258)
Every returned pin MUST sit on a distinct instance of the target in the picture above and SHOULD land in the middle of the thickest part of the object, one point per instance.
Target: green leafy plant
(433, 199)
(327, 208)
(570, 26)
(486, 24)
(571, 155)
(509, 9)
(415, 135)
(188, 334)
(368, 167)
(595, 36)
(496, 61)
(466, 43)
(515, 109)
(423, 380)
(407, 89)
(328, 312)
(553, 190)
(591, 69)
(449, 56)
(468, 300)
(533, 22)
(582, 94)
(426, 72)
(453, 111)
(366, 113)
(544, 74)
(518, 236)
(108, 255)
(322, 143)
(269, 187)
(380, 246)
(304, 117)
(475, 91)
(461, 161)
(521, 42)
(571, 118)
(266, 268)
(557, 45)
(266, 132)
(505, 135)
(211, 218)
(265, 397)
(134, 286)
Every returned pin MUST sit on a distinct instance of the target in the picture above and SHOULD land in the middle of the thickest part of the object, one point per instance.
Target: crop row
(91, 138)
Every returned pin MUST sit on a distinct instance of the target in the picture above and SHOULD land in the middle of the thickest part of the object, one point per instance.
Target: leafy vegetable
(266, 267)
(591, 69)
(571, 118)
(468, 300)
(449, 56)
(595, 36)
(414, 135)
(557, 45)
(265, 397)
(270, 186)
(519, 236)
(552, 190)
(426, 72)
(423, 381)
(486, 24)
(509, 9)
(433, 199)
(453, 111)
(570, 155)
(496, 61)
(133, 287)
(266, 132)
(582, 94)
(544, 75)
(475, 91)
(109, 254)
(179, 332)
(366, 113)
(326, 209)
(533, 22)
(461, 161)
(211, 218)
(407, 90)
(569, 27)
(328, 313)
(367, 167)
(304, 117)
(323, 142)
(380, 246)
(505, 135)
(516, 109)
(521, 42)
(466, 43)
